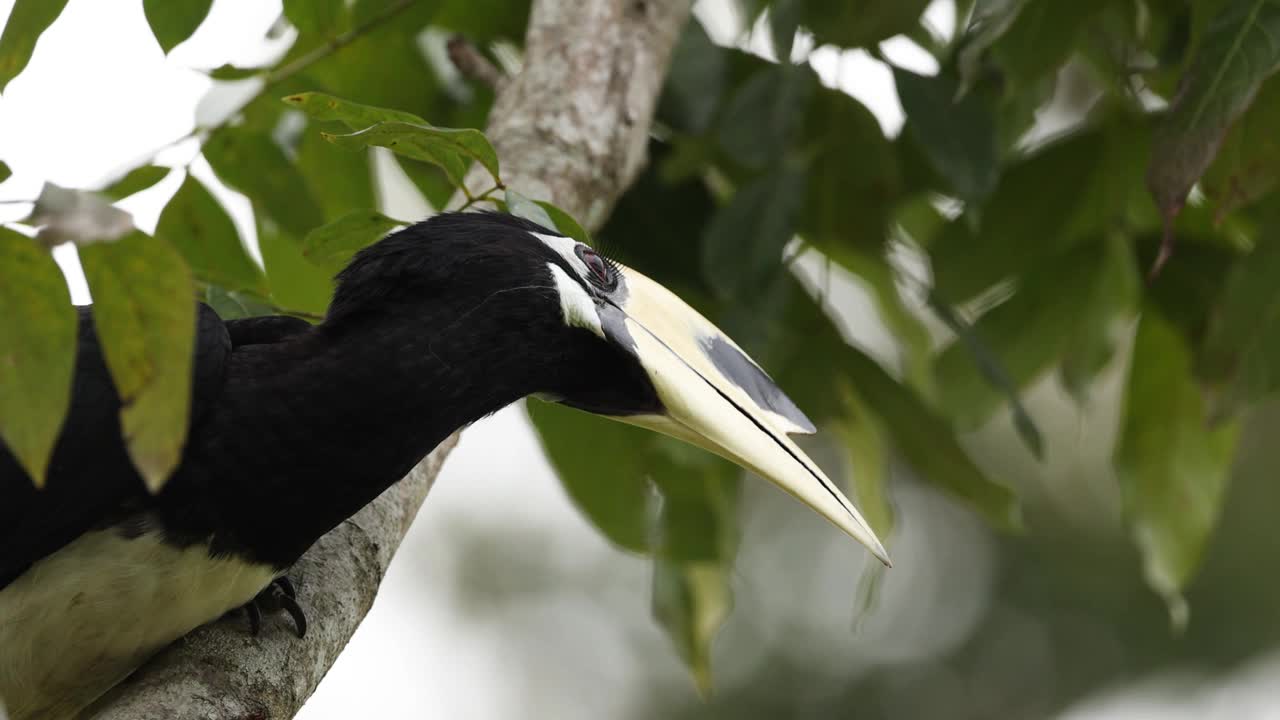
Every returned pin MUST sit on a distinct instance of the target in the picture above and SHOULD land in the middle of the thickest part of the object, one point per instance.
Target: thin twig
(473, 64)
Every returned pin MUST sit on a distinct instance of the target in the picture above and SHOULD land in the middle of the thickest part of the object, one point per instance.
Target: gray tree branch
(571, 127)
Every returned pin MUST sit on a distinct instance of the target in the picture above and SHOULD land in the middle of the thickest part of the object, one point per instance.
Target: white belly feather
(80, 620)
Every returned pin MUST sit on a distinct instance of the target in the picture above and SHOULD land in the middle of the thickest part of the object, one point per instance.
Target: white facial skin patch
(566, 248)
(578, 307)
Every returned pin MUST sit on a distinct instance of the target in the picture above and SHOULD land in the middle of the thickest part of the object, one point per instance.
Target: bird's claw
(279, 595)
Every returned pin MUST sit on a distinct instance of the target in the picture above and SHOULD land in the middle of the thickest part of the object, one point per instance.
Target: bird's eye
(596, 264)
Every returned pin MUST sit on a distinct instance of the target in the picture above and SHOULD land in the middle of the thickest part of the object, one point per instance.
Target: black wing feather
(91, 483)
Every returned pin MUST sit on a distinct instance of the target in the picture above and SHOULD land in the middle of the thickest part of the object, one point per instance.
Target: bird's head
(610, 341)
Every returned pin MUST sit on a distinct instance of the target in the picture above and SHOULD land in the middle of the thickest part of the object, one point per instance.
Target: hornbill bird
(296, 427)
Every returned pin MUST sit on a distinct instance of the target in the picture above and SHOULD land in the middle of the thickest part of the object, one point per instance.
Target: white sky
(99, 94)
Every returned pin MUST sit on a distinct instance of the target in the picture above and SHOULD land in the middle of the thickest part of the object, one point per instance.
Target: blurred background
(506, 602)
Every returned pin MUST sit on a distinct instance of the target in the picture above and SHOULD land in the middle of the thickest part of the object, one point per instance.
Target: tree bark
(571, 127)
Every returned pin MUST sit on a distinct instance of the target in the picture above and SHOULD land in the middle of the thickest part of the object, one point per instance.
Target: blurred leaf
(484, 20)
(430, 180)
(860, 23)
(1041, 38)
(760, 118)
(232, 72)
(1104, 321)
(5, 172)
(251, 162)
(608, 478)
(1060, 196)
(37, 351)
(690, 602)
(445, 147)
(232, 305)
(354, 115)
(927, 442)
(958, 136)
(1172, 468)
(144, 312)
(1237, 53)
(1242, 348)
(992, 370)
(743, 245)
(198, 226)
(565, 223)
(296, 284)
(990, 20)
(1248, 163)
(695, 82)
(134, 181)
(853, 181)
(27, 22)
(77, 216)
(1069, 302)
(173, 21)
(331, 246)
(523, 207)
(315, 16)
(866, 445)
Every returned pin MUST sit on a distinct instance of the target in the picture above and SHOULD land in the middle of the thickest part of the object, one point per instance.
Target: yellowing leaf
(448, 148)
(320, 106)
(37, 351)
(144, 312)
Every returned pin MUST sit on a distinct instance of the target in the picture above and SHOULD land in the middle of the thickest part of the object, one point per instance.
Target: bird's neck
(368, 401)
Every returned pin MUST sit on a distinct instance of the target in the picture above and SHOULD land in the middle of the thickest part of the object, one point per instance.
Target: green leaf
(315, 16)
(135, 181)
(144, 312)
(340, 181)
(232, 305)
(1242, 348)
(615, 496)
(1248, 163)
(445, 147)
(1173, 468)
(523, 207)
(1042, 38)
(959, 137)
(331, 246)
(173, 21)
(691, 602)
(860, 23)
(565, 223)
(853, 180)
(1046, 204)
(296, 284)
(27, 22)
(355, 116)
(251, 162)
(992, 370)
(742, 248)
(927, 442)
(5, 172)
(1070, 301)
(1238, 51)
(198, 226)
(760, 118)
(37, 351)
(866, 444)
(228, 72)
(695, 82)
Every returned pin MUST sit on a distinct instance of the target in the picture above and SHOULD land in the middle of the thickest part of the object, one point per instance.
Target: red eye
(596, 265)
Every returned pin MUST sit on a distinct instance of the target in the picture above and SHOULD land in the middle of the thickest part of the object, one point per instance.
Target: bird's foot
(277, 596)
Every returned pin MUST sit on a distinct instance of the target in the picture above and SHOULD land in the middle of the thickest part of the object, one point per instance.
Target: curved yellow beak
(719, 399)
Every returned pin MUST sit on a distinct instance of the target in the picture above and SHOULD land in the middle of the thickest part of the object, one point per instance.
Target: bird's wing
(91, 482)
(264, 330)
